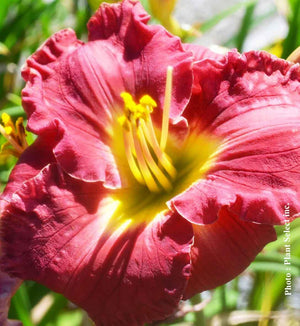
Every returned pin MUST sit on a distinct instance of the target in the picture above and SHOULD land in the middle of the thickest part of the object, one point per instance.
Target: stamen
(11, 140)
(15, 135)
(165, 183)
(128, 101)
(6, 150)
(20, 131)
(129, 147)
(166, 109)
(150, 182)
(151, 167)
(6, 119)
(148, 102)
(151, 138)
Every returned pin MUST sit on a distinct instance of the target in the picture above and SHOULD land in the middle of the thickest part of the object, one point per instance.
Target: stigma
(146, 156)
(14, 134)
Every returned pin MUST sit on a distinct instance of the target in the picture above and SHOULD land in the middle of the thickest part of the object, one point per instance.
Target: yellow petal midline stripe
(166, 109)
(150, 182)
(163, 158)
(129, 147)
(162, 179)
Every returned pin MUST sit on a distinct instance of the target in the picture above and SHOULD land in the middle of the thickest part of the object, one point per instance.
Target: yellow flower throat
(146, 156)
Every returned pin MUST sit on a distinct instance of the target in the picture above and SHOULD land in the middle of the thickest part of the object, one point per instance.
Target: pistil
(166, 109)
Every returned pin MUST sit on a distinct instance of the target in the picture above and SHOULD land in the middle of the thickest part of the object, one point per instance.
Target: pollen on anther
(148, 100)
(6, 118)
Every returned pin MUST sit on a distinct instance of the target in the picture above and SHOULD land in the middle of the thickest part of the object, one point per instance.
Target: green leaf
(291, 42)
(245, 26)
(277, 257)
(14, 98)
(21, 305)
(274, 267)
(14, 111)
(226, 13)
(294, 238)
(4, 8)
(216, 305)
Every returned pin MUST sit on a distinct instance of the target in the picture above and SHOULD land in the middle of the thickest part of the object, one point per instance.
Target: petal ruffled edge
(32, 160)
(123, 21)
(61, 43)
(49, 235)
(115, 19)
(126, 23)
(253, 172)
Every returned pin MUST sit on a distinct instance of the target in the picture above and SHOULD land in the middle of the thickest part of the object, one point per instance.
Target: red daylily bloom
(158, 171)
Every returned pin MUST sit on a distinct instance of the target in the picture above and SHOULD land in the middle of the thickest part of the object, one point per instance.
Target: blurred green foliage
(24, 25)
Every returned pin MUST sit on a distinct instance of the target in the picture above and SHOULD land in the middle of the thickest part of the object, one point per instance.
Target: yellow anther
(8, 130)
(126, 97)
(148, 100)
(6, 118)
(139, 112)
(128, 101)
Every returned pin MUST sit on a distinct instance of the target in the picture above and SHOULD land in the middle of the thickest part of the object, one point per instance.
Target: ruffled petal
(75, 88)
(8, 286)
(31, 162)
(68, 235)
(148, 49)
(222, 250)
(251, 103)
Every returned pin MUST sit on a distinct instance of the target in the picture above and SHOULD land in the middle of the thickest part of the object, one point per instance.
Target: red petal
(150, 50)
(116, 20)
(75, 88)
(8, 287)
(62, 233)
(224, 249)
(252, 103)
(32, 160)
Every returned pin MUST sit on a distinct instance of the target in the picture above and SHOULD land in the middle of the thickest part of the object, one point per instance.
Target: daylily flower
(158, 170)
